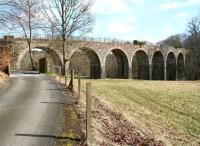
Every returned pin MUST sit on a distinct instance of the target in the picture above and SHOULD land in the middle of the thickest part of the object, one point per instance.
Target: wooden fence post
(60, 72)
(67, 72)
(72, 80)
(54, 72)
(88, 113)
(79, 87)
(57, 70)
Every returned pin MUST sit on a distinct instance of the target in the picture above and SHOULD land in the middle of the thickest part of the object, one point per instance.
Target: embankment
(4, 82)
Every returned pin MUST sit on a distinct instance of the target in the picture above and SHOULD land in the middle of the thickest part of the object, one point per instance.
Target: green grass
(169, 111)
(50, 74)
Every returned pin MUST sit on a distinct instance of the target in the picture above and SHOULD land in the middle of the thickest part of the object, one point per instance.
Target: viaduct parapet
(147, 62)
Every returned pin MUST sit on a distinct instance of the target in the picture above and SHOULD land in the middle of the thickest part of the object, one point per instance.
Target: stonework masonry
(97, 53)
(5, 45)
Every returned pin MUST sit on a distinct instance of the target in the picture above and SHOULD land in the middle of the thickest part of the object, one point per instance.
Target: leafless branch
(22, 15)
(69, 17)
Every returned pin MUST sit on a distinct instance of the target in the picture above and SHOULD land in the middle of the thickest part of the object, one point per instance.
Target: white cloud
(169, 5)
(106, 7)
(175, 4)
(181, 15)
(122, 26)
(138, 2)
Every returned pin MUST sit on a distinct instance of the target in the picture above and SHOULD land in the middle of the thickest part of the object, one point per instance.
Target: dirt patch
(4, 82)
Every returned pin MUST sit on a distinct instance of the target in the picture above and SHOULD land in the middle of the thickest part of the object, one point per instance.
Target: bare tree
(23, 16)
(192, 42)
(175, 41)
(69, 17)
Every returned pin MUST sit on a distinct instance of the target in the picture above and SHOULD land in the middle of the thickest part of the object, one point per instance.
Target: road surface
(29, 111)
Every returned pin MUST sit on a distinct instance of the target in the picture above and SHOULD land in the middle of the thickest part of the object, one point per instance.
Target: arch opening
(111, 66)
(117, 65)
(180, 67)
(158, 66)
(140, 66)
(171, 66)
(38, 53)
(86, 63)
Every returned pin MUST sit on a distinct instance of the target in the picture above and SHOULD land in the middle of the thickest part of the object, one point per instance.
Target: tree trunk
(30, 36)
(64, 59)
(30, 54)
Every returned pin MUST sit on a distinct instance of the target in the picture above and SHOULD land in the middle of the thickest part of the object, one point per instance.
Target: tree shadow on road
(56, 103)
(48, 136)
(60, 89)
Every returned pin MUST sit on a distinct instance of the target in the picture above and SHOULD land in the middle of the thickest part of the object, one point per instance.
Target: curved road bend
(29, 111)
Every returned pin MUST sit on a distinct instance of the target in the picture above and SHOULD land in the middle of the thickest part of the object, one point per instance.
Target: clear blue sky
(149, 20)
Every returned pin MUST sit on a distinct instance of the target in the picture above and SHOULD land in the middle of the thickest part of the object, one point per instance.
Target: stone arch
(158, 66)
(171, 66)
(80, 63)
(180, 67)
(122, 63)
(140, 65)
(55, 56)
(92, 60)
(111, 66)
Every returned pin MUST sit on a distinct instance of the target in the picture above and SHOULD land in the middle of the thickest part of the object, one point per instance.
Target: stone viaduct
(146, 62)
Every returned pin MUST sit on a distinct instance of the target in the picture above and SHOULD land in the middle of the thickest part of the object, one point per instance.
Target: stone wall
(5, 47)
(4, 60)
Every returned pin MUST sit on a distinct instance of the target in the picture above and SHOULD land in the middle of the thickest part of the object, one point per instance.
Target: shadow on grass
(48, 136)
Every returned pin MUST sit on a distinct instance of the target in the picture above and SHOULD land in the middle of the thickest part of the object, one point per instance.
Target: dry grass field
(164, 110)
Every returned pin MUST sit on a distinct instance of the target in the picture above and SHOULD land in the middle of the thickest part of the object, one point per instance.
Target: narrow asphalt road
(29, 111)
